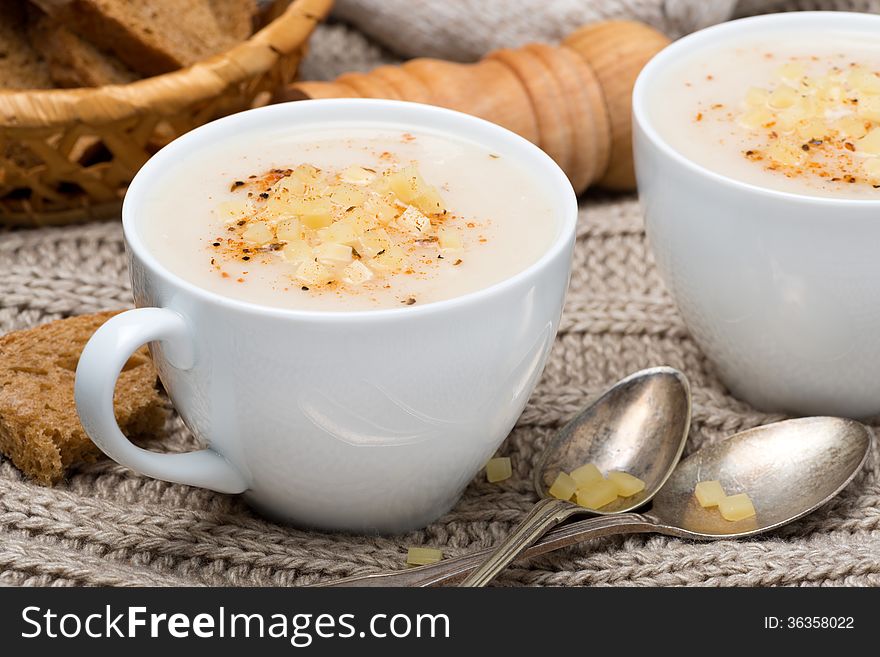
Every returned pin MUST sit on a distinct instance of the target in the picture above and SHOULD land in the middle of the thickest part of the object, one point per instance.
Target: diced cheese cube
(257, 232)
(863, 81)
(870, 143)
(331, 253)
(288, 186)
(406, 184)
(380, 210)
(804, 110)
(869, 108)
(757, 97)
(828, 90)
(357, 273)
(417, 556)
(381, 184)
(357, 175)
(289, 230)
(871, 167)
(782, 97)
(361, 219)
(314, 273)
(231, 211)
(307, 173)
(785, 153)
(852, 127)
(597, 494)
(736, 507)
(756, 118)
(296, 252)
(625, 483)
(429, 201)
(413, 221)
(449, 239)
(498, 469)
(586, 475)
(709, 493)
(346, 195)
(391, 259)
(791, 72)
(279, 207)
(315, 213)
(344, 231)
(811, 129)
(563, 487)
(373, 242)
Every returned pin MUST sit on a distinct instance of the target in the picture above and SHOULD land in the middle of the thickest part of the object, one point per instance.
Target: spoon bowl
(788, 469)
(638, 426)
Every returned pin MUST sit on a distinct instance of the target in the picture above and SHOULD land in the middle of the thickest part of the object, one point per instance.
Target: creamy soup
(797, 111)
(357, 219)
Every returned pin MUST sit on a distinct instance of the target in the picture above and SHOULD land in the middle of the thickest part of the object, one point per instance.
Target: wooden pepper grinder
(572, 100)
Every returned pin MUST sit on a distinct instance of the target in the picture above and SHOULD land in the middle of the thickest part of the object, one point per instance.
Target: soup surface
(797, 112)
(357, 219)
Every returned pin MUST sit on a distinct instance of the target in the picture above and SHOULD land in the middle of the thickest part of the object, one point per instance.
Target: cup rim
(677, 49)
(359, 110)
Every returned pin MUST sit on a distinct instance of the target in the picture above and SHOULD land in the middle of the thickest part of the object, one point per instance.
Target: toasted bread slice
(149, 37)
(21, 67)
(40, 431)
(73, 61)
(235, 17)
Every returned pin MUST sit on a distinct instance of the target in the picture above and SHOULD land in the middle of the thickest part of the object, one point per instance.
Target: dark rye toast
(21, 66)
(40, 431)
(149, 37)
(235, 17)
(73, 61)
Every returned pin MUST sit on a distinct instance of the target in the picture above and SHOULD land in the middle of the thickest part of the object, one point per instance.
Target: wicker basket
(67, 155)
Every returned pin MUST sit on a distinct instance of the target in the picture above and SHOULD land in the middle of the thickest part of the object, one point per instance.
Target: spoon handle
(545, 515)
(457, 567)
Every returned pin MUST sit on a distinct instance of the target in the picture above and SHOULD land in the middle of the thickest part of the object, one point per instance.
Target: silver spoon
(639, 426)
(789, 469)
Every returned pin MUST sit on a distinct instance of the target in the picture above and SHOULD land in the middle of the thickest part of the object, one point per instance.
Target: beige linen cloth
(107, 525)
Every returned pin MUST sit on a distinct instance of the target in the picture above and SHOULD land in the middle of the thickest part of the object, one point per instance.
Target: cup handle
(99, 366)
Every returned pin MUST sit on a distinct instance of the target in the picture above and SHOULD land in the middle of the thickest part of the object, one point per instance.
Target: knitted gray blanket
(106, 525)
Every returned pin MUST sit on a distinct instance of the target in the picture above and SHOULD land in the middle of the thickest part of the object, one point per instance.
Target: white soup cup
(361, 421)
(780, 290)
